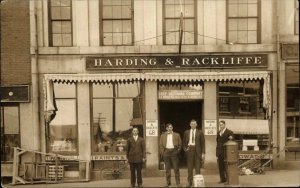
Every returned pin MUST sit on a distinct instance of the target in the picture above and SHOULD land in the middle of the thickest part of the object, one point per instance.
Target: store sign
(290, 51)
(180, 94)
(65, 158)
(151, 127)
(254, 156)
(210, 127)
(174, 62)
(108, 157)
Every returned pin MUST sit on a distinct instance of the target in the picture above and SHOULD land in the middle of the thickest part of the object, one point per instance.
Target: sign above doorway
(180, 94)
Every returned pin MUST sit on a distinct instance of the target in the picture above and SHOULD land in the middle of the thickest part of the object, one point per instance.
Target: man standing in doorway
(136, 155)
(170, 146)
(222, 137)
(194, 147)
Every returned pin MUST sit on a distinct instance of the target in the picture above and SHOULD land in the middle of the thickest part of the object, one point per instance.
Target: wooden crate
(52, 171)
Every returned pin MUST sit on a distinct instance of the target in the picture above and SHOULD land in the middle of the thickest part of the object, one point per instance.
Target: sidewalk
(272, 178)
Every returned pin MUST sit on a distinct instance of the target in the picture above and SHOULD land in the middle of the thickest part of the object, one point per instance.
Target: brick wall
(15, 42)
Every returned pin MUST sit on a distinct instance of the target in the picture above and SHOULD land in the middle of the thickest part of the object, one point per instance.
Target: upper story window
(60, 23)
(172, 16)
(116, 22)
(296, 17)
(243, 21)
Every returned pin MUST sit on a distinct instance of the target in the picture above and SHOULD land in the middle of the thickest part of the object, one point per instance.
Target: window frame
(291, 152)
(178, 18)
(3, 130)
(114, 99)
(296, 23)
(50, 20)
(234, 97)
(101, 27)
(72, 153)
(258, 17)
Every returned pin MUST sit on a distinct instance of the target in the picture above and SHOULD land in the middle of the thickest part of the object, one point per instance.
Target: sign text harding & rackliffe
(203, 61)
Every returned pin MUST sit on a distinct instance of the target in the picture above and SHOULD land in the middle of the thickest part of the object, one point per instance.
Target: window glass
(172, 14)
(10, 132)
(292, 112)
(296, 17)
(61, 23)
(116, 109)
(116, 21)
(241, 99)
(242, 21)
(63, 137)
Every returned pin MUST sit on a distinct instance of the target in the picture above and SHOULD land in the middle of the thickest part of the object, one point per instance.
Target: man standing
(136, 155)
(194, 147)
(170, 146)
(222, 137)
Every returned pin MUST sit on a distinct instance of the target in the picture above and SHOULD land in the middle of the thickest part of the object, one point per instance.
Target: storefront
(95, 110)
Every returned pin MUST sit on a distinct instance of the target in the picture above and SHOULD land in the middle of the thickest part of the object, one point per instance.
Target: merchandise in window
(243, 19)
(116, 109)
(172, 17)
(60, 22)
(242, 99)
(63, 137)
(10, 132)
(117, 22)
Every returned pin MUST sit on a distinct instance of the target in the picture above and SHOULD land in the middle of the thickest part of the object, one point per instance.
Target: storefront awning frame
(157, 76)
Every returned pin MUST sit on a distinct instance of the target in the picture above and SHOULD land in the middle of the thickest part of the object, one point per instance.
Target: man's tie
(193, 137)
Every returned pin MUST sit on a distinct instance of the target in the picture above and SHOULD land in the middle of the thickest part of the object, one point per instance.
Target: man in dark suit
(170, 146)
(194, 147)
(222, 137)
(136, 155)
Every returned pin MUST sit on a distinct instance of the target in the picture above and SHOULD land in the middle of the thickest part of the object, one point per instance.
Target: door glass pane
(11, 120)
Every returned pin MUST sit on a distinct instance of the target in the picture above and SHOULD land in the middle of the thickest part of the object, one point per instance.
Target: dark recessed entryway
(180, 113)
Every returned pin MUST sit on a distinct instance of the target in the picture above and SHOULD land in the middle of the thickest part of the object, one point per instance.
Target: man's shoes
(168, 185)
(132, 185)
(179, 185)
(140, 185)
(222, 181)
(188, 185)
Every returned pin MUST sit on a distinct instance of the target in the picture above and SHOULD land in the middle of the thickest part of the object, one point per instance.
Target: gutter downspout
(35, 83)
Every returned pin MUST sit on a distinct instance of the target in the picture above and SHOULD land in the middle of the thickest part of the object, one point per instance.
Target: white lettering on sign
(151, 127)
(180, 94)
(108, 157)
(210, 127)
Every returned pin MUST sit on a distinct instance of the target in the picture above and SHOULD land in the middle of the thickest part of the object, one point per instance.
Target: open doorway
(180, 113)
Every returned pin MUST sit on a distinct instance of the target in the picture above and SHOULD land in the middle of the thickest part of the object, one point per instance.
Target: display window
(241, 99)
(116, 108)
(292, 112)
(63, 136)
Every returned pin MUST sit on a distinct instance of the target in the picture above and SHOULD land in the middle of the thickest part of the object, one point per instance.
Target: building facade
(104, 66)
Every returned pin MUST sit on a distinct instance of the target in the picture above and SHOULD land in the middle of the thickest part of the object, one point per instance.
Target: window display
(63, 136)
(116, 109)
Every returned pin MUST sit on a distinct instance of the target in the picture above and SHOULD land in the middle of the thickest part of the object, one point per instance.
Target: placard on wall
(151, 127)
(210, 127)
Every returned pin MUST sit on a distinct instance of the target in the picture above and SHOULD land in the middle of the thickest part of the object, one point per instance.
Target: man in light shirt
(170, 146)
(194, 147)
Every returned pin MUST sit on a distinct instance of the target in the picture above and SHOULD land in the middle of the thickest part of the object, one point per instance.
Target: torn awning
(247, 126)
(158, 76)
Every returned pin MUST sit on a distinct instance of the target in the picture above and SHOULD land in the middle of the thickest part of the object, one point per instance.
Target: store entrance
(180, 113)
